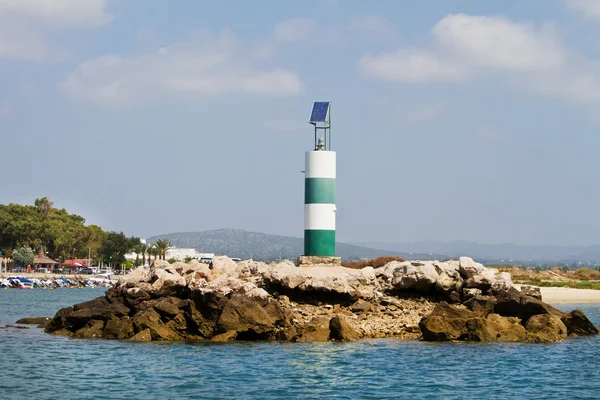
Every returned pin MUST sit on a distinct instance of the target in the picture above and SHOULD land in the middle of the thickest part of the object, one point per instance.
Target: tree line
(66, 236)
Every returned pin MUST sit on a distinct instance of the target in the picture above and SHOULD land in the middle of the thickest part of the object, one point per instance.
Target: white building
(181, 254)
(177, 254)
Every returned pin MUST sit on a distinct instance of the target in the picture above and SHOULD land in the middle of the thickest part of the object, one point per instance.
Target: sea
(35, 365)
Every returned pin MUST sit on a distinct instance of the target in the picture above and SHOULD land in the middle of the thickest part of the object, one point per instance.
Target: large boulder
(199, 323)
(166, 282)
(317, 330)
(80, 317)
(513, 303)
(408, 276)
(60, 321)
(449, 279)
(250, 318)
(340, 330)
(150, 319)
(577, 324)
(468, 268)
(451, 322)
(546, 328)
(118, 328)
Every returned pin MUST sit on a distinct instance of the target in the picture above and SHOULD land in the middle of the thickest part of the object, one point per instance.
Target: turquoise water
(39, 366)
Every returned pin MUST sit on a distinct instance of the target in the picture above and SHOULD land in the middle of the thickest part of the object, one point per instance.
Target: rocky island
(248, 300)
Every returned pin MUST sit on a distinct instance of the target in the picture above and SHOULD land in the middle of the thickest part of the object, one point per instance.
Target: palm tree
(141, 248)
(152, 250)
(162, 245)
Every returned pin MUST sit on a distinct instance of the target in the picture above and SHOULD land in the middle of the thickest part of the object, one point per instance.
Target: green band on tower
(319, 191)
(319, 242)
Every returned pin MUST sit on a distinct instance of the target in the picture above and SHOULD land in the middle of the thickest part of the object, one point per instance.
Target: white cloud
(463, 47)
(204, 65)
(463, 44)
(25, 25)
(589, 8)
(496, 42)
(294, 30)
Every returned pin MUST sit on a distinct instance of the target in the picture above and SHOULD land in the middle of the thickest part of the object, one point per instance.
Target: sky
(451, 119)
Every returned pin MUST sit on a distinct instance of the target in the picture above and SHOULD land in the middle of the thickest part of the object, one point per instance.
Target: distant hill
(265, 247)
(498, 253)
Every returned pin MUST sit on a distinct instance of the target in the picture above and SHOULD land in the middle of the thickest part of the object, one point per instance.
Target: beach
(567, 295)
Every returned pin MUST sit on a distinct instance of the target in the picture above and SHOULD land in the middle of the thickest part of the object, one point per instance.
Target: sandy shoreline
(568, 295)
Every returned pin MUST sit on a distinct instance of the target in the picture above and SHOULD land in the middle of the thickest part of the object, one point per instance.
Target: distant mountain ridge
(265, 247)
(503, 252)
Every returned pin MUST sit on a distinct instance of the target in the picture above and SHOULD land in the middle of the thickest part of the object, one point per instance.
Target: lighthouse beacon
(319, 193)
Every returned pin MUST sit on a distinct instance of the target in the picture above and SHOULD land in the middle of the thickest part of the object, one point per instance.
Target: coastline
(561, 295)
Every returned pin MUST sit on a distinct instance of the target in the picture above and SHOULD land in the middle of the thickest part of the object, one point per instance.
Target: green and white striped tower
(319, 188)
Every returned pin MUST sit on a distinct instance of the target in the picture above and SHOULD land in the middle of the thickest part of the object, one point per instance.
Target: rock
(60, 321)
(150, 319)
(198, 323)
(81, 317)
(532, 291)
(142, 336)
(166, 283)
(449, 279)
(168, 307)
(134, 278)
(61, 332)
(118, 328)
(41, 322)
(469, 293)
(482, 280)
(179, 325)
(412, 276)
(223, 265)
(505, 329)
(317, 330)
(482, 305)
(469, 268)
(515, 304)
(249, 318)
(545, 328)
(92, 329)
(136, 295)
(361, 306)
(224, 337)
(577, 324)
(287, 334)
(97, 303)
(454, 297)
(340, 330)
(448, 322)
(15, 327)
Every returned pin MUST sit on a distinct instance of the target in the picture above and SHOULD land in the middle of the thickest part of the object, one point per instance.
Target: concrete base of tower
(319, 261)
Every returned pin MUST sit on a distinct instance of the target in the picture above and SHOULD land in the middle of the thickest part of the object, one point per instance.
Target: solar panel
(319, 111)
